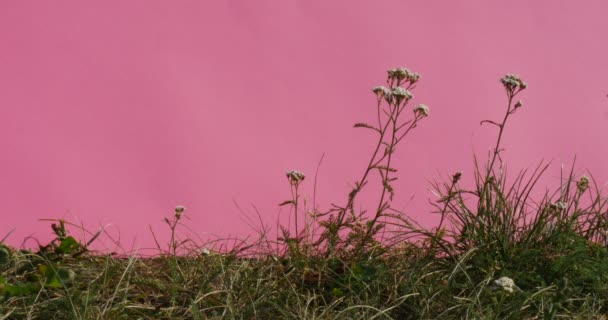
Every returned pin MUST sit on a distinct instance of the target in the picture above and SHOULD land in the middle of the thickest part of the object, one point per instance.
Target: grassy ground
(496, 254)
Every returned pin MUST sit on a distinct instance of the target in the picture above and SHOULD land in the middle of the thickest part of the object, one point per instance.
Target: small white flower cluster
(505, 283)
(382, 93)
(179, 210)
(295, 176)
(583, 184)
(558, 205)
(402, 73)
(401, 94)
(512, 82)
(422, 110)
(396, 94)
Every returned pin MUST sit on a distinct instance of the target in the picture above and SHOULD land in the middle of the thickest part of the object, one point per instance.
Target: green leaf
(69, 245)
(56, 277)
(5, 256)
(337, 292)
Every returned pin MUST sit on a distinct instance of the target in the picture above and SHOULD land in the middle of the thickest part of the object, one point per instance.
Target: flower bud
(179, 210)
(518, 104)
(456, 177)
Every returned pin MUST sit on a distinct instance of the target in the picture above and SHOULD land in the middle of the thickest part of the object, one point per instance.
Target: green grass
(347, 264)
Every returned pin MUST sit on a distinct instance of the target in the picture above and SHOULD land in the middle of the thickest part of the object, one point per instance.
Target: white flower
(413, 77)
(205, 251)
(505, 283)
(402, 73)
(583, 184)
(561, 205)
(422, 109)
(179, 210)
(512, 81)
(295, 176)
(381, 92)
(400, 92)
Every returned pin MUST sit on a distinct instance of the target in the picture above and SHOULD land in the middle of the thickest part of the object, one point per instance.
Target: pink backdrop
(113, 112)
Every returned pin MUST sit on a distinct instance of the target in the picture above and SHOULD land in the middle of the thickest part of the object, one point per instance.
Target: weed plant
(497, 253)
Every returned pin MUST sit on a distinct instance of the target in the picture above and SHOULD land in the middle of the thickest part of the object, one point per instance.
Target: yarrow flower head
(179, 210)
(512, 82)
(558, 205)
(505, 283)
(422, 109)
(413, 77)
(400, 94)
(381, 92)
(295, 177)
(402, 74)
(583, 184)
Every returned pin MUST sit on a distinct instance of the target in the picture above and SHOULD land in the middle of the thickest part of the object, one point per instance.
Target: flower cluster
(179, 210)
(505, 283)
(558, 205)
(402, 74)
(395, 94)
(512, 82)
(583, 184)
(295, 177)
(400, 94)
(422, 110)
(382, 93)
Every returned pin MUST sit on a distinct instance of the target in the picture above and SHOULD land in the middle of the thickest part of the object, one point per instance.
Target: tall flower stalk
(391, 130)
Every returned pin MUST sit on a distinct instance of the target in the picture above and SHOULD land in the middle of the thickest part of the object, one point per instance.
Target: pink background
(113, 112)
